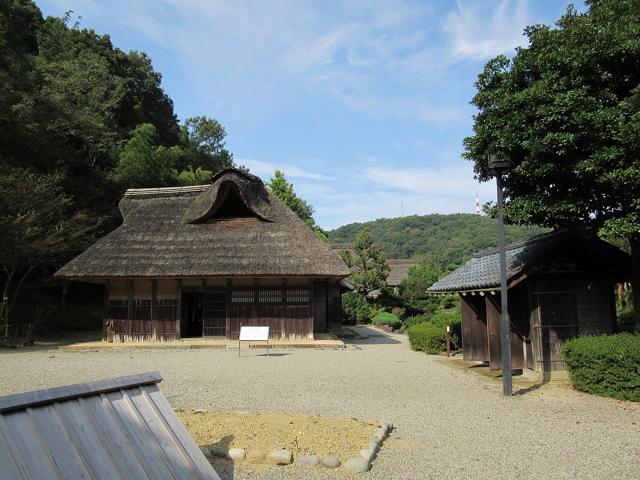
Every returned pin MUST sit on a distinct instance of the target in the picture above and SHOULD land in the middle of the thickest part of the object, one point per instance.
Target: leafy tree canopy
(370, 263)
(203, 145)
(566, 109)
(449, 240)
(143, 163)
(38, 226)
(283, 189)
(81, 120)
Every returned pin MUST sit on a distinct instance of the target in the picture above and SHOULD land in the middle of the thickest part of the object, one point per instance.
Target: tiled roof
(482, 272)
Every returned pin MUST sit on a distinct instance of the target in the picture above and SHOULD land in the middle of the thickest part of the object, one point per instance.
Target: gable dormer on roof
(232, 194)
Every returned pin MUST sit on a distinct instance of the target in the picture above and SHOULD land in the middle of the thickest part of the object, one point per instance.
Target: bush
(386, 318)
(355, 308)
(607, 365)
(416, 319)
(428, 338)
(428, 333)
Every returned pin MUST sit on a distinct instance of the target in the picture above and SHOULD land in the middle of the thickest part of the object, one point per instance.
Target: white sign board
(254, 333)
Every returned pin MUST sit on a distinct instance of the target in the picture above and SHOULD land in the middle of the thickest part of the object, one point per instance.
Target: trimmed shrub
(355, 308)
(428, 338)
(416, 319)
(607, 365)
(428, 334)
(386, 318)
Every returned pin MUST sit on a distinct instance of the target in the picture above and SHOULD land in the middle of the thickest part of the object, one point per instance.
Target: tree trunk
(635, 279)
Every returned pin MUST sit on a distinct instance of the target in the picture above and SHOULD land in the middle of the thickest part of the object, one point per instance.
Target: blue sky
(363, 104)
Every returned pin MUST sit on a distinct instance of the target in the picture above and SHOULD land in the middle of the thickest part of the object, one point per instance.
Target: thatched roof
(560, 251)
(398, 270)
(232, 227)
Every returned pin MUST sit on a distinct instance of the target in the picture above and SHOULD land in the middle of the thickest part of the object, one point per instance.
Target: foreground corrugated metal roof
(109, 429)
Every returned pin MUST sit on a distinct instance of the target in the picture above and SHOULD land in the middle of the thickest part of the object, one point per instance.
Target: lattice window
(166, 309)
(141, 310)
(243, 296)
(270, 296)
(298, 295)
(117, 309)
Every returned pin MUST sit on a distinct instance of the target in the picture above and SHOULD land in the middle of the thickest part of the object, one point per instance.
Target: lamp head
(498, 163)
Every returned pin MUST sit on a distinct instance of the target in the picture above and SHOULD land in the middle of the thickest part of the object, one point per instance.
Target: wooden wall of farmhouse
(141, 310)
(563, 308)
(132, 314)
(474, 328)
(517, 297)
(284, 321)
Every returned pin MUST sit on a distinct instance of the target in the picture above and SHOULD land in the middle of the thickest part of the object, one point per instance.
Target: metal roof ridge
(136, 192)
(20, 401)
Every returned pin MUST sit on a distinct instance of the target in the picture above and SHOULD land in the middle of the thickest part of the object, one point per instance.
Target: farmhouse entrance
(214, 314)
(204, 314)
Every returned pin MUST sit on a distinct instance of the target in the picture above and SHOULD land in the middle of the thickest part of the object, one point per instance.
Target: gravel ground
(450, 423)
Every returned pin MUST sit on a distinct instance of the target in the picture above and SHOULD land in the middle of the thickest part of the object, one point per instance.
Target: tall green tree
(414, 286)
(202, 140)
(370, 263)
(283, 189)
(566, 109)
(39, 227)
(145, 164)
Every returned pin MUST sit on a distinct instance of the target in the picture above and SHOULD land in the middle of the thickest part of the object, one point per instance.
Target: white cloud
(478, 32)
(450, 181)
(265, 169)
(384, 59)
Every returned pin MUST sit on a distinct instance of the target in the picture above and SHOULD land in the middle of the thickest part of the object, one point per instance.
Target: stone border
(360, 463)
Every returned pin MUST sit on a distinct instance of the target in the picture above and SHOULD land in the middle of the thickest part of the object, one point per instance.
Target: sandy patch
(302, 434)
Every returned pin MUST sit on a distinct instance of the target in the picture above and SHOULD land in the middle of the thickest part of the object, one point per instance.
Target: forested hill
(447, 239)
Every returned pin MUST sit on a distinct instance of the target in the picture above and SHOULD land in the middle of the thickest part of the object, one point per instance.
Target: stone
(307, 460)
(236, 454)
(367, 453)
(374, 445)
(280, 457)
(357, 464)
(255, 456)
(330, 461)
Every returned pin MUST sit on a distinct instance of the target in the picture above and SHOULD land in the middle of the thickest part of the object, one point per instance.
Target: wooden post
(227, 325)
(448, 340)
(65, 285)
(105, 314)
(178, 307)
(130, 307)
(326, 305)
(154, 309)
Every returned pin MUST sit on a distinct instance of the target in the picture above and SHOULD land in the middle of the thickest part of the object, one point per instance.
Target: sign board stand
(253, 334)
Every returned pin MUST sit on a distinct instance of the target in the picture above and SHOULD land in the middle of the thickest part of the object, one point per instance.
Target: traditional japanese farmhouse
(560, 285)
(204, 260)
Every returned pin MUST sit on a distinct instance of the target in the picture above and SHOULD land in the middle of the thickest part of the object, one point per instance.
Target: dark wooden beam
(154, 299)
(130, 299)
(130, 307)
(105, 312)
(179, 308)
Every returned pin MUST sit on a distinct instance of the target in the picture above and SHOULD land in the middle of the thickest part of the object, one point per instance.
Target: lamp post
(498, 166)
